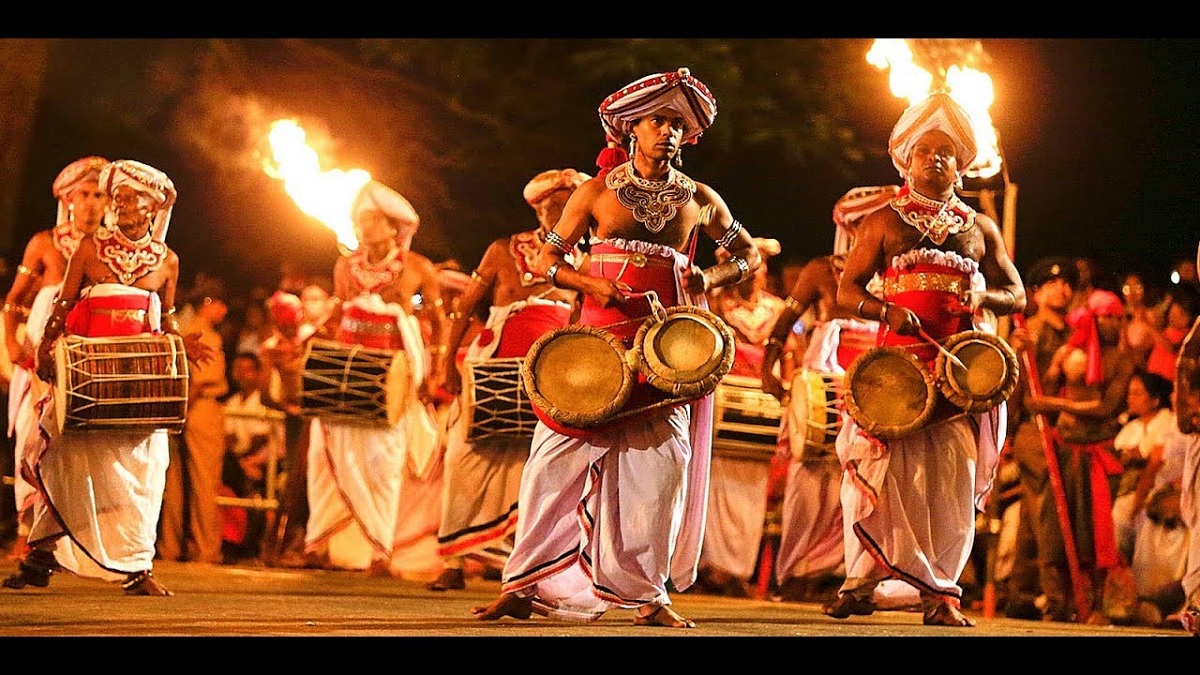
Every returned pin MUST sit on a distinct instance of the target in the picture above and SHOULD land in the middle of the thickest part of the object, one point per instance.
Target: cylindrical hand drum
(494, 400)
(577, 375)
(745, 419)
(684, 354)
(990, 375)
(130, 382)
(889, 392)
(354, 384)
(815, 417)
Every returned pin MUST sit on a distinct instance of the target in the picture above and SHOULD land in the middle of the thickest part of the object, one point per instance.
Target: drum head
(889, 392)
(990, 375)
(686, 354)
(577, 375)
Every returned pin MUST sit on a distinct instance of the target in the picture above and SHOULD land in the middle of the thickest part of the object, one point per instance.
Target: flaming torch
(971, 88)
(326, 195)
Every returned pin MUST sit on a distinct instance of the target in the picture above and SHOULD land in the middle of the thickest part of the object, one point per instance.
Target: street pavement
(255, 601)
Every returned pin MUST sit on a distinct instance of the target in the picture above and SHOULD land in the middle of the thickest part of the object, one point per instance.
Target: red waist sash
(110, 316)
(931, 292)
(524, 327)
(377, 331)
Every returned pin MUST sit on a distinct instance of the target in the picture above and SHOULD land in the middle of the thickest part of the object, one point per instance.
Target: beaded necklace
(653, 202)
(372, 276)
(129, 259)
(932, 218)
(66, 237)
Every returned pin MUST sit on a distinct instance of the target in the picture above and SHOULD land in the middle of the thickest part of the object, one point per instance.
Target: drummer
(118, 283)
(739, 487)
(943, 267)
(361, 478)
(809, 565)
(479, 497)
(608, 519)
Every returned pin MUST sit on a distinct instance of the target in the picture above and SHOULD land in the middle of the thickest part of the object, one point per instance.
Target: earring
(71, 213)
(678, 159)
(632, 145)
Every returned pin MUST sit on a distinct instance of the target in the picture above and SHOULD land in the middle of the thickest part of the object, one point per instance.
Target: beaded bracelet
(555, 239)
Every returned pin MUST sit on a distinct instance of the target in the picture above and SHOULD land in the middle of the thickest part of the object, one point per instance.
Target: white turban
(548, 181)
(375, 196)
(937, 111)
(79, 171)
(852, 207)
(678, 91)
(147, 180)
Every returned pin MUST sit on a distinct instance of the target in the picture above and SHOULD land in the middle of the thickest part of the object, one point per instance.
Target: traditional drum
(578, 375)
(814, 414)
(685, 351)
(354, 384)
(130, 382)
(990, 375)
(745, 419)
(889, 392)
(494, 400)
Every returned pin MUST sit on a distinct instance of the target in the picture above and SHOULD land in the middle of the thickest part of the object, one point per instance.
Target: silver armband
(552, 273)
(555, 239)
(730, 234)
(743, 268)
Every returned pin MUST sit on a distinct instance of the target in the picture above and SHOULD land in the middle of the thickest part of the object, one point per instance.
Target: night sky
(1099, 135)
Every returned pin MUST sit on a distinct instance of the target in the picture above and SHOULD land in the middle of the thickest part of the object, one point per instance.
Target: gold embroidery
(924, 281)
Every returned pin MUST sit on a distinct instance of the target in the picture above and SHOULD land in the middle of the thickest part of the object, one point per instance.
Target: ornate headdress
(84, 169)
(147, 180)
(375, 196)
(678, 90)
(855, 205)
(937, 111)
(548, 181)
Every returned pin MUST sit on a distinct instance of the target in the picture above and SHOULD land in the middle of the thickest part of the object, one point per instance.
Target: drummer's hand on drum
(900, 320)
(694, 280)
(197, 351)
(606, 292)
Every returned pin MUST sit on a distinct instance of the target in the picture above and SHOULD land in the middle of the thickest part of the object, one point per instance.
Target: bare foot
(947, 614)
(508, 604)
(664, 616)
(144, 583)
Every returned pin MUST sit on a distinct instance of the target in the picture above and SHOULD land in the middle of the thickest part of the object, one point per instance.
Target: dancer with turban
(612, 514)
(99, 518)
(483, 476)
(81, 207)
(909, 502)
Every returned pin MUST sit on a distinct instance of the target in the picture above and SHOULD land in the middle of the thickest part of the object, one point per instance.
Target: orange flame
(326, 195)
(971, 88)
